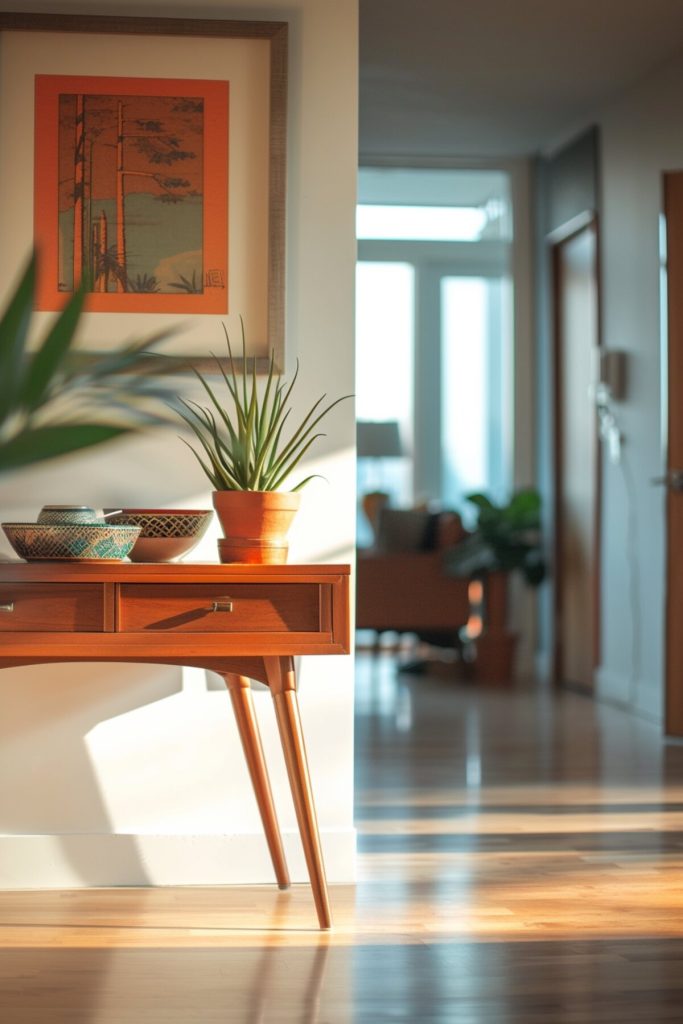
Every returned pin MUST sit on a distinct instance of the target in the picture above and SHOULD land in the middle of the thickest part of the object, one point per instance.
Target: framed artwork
(152, 166)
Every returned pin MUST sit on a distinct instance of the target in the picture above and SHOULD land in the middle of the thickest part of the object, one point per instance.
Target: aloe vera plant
(245, 445)
(53, 401)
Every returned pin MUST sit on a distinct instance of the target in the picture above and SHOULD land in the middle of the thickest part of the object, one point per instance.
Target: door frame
(672, 371)
(585, 221)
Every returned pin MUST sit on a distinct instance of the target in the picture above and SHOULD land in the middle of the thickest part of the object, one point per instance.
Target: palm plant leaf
(49, 358)
(52, 400)
(13, 337)
(48, 442)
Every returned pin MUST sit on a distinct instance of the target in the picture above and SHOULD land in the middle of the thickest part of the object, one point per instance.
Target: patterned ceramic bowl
(68, 514)
(166, 533)
(38, 542)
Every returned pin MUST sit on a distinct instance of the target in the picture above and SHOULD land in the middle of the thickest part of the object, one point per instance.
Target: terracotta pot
(496, 602)
(496, 647)
(495, 659)
(255, 524)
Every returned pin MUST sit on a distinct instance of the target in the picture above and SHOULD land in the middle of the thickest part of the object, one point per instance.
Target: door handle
(672, 479)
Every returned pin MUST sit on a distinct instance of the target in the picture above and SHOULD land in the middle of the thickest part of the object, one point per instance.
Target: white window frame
(432, 262)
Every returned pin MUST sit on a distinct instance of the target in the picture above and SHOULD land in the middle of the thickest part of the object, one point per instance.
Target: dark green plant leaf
(49, 357)
(506, 537)
(14, 327)
(48, 442)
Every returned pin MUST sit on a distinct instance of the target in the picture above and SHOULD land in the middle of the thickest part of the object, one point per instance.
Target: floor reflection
(440, 983)
(249, 985)
(520, 861)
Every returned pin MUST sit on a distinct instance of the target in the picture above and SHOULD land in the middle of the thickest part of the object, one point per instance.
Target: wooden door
(577, 480)
(673, 208)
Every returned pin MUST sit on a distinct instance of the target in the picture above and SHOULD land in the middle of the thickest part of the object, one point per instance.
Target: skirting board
(73, 860)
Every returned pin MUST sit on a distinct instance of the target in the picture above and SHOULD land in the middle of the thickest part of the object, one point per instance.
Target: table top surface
(73, 571)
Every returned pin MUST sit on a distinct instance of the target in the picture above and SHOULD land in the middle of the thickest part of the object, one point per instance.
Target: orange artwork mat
(131, 191)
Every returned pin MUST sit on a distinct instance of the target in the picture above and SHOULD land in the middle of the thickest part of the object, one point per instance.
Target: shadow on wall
(48, 777)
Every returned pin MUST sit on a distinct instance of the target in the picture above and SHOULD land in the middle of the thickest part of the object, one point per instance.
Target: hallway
(520, 861)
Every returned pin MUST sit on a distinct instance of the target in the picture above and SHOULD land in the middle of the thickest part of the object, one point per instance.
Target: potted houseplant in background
(248, 450)
(54, 400)
(506, 538)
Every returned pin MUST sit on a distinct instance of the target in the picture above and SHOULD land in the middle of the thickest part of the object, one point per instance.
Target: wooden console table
(242, 621)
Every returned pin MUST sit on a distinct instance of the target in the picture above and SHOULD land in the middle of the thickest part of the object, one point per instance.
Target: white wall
(641, 137)
(128, 774)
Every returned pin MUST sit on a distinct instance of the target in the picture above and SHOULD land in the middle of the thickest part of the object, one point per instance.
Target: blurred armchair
(401, 584)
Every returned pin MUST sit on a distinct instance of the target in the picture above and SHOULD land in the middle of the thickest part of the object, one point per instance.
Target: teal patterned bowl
(68, 514)
(42, 542)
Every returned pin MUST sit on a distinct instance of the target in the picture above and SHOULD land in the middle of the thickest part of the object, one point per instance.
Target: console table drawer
(231, 608)
(58, 608)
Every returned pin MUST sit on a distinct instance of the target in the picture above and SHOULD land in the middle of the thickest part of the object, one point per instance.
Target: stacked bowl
(79, 533)
(71, 533)
(165, 533)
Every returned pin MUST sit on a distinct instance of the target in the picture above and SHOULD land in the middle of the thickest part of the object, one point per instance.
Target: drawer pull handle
(7, 607)
(223, 604)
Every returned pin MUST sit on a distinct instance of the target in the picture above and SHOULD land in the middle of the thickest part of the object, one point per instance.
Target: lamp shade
(378, 439)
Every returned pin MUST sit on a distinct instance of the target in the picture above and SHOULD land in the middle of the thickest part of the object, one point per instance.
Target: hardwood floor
(520, 860)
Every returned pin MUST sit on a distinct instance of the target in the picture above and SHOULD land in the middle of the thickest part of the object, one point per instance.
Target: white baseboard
(76, 860)
(543, 664)
(612, 687)
(616, 688)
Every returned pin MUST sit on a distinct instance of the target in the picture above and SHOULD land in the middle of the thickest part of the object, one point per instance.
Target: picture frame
(150, 56)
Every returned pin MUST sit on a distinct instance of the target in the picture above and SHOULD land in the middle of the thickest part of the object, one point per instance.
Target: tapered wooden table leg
(240, 692)
(282, 682)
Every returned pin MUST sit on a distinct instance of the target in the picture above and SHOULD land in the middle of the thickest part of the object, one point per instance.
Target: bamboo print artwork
(130, 193)
(137, 215)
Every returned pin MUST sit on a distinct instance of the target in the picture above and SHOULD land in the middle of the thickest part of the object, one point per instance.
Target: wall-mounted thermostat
(612, 375)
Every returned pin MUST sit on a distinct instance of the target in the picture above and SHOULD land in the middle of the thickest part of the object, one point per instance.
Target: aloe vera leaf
(211, 476)
(301, 435)
(306, 480)
(285, 470)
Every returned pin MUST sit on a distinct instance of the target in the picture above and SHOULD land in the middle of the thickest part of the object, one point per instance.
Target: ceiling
(500, 78)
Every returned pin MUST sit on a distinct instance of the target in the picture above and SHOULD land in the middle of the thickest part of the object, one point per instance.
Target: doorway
(434, 325)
